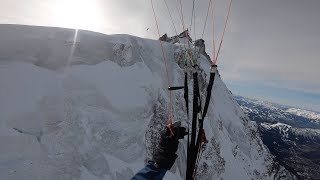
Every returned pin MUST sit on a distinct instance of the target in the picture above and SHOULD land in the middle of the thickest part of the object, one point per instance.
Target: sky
(271, 48)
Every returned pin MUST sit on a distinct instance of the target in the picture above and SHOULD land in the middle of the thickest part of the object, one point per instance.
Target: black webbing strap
(186, 91)
(192, 154)
(209, 90)
(194, 146)
(186, 98)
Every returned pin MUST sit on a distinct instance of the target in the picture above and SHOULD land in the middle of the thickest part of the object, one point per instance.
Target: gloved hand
(165, 156)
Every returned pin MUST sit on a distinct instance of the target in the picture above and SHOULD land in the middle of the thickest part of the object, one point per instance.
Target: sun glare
(78, 14)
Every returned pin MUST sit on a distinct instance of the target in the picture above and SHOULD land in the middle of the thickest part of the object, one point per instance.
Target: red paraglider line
(166, 66)
(224, 30)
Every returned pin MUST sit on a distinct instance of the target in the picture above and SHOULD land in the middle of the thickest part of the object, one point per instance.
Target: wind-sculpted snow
(83, 105)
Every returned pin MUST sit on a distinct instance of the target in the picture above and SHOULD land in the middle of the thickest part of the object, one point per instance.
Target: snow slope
(84, 105)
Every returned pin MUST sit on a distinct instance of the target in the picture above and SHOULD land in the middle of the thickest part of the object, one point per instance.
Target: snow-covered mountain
(295, 146)
(83, 105)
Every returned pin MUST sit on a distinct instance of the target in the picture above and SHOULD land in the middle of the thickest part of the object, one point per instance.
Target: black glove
(165, 155)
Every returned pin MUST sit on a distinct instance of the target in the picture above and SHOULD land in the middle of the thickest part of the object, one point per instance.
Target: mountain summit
(82, 105)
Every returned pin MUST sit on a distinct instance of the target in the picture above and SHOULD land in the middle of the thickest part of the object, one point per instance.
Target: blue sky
(271, 47)
(309, 101)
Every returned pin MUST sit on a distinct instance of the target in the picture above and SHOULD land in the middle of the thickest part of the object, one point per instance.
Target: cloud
(291, 97)
(274, 42)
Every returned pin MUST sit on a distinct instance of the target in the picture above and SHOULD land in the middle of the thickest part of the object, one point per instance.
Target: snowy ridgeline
(83, 105)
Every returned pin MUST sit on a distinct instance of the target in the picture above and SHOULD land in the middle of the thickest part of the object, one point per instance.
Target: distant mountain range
(291, 134)
(262, 111)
